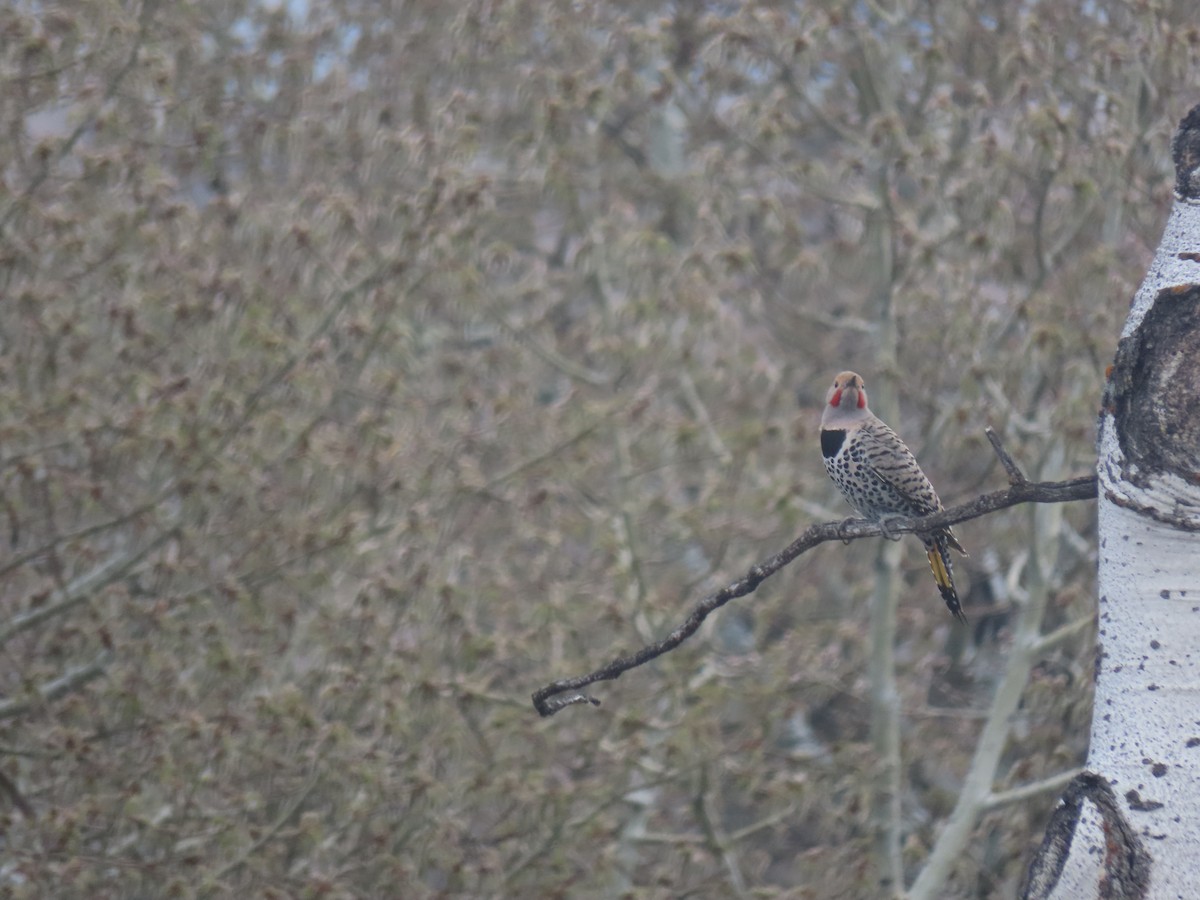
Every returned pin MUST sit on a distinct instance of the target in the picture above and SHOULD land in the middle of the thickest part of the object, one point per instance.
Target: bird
(879, 476)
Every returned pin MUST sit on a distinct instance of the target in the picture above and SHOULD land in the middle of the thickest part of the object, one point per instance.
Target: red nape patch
(862, 399)
(836, 398)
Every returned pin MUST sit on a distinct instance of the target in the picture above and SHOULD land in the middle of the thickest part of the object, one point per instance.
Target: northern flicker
(879, 476)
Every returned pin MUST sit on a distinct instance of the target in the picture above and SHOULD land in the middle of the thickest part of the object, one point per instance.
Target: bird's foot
(885, 527)
(841, 529)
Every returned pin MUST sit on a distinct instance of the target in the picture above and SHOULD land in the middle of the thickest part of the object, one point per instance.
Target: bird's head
(846, 400)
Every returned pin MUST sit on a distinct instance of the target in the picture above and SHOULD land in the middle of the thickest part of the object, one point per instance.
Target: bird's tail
(937, 548)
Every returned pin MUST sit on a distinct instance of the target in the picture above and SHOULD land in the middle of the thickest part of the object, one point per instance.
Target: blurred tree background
(365, 366)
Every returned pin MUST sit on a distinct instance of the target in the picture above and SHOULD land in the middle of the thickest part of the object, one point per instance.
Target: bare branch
(1127, 863)
(1015, 475)
(82, 588)
(1064, 632)
(547, 702)
(7, 786)
(19, 560)
(717, 843)
(1052, 784)
(69, 681)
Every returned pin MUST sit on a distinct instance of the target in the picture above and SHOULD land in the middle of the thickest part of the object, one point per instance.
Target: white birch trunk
(1143, 840)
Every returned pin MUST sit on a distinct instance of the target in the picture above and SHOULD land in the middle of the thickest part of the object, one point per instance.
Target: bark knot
(1155, 389)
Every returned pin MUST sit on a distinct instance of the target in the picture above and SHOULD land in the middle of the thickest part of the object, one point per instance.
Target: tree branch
(1126, 863)
(1052, 784)
(82, 588)
(1015, 475)
(52, 690)
(547, 702)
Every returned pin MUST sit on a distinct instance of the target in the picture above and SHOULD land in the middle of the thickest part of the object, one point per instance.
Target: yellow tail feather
(940, 565)
(940, 575)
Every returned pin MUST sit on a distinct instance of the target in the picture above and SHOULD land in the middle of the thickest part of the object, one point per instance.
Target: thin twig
(780, 815)
(1083, 488)
(1015, 475)
(17, 561)
(1063, 632)
(717, 844)
(552, 357)
(69, 681)
(82, 588)
(9, 787)
(692, 395)
(289, 809)
(1054, 784)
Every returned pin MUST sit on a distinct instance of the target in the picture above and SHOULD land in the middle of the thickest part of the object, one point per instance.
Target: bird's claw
(841, 529)
(885, 528)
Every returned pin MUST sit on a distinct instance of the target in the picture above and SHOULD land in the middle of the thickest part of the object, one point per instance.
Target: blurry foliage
(366, 366)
